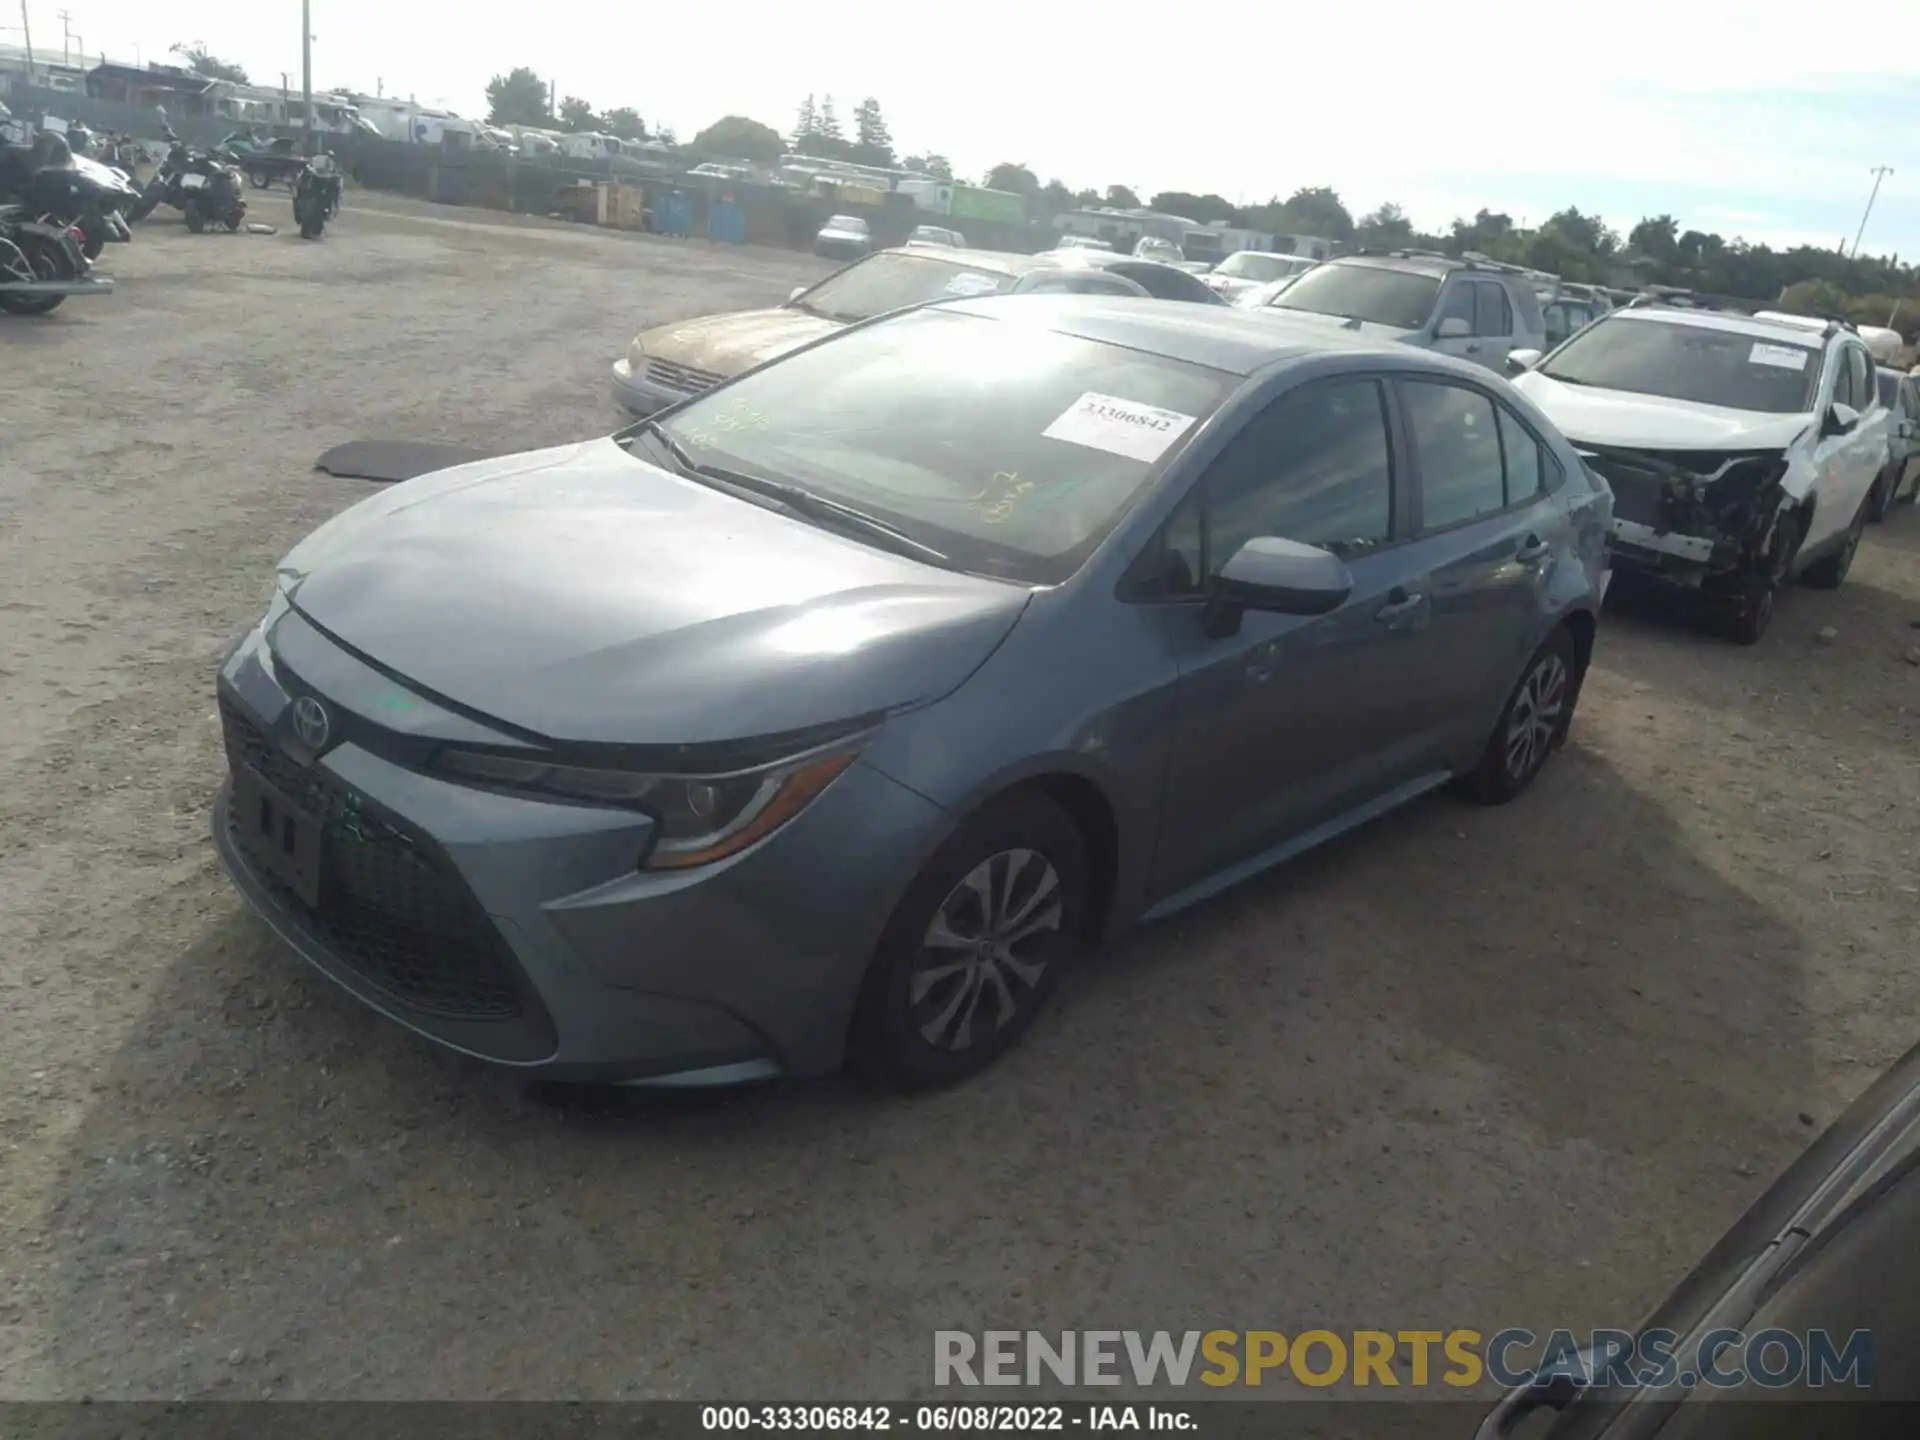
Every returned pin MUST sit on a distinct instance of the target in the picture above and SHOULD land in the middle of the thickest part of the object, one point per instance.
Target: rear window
(1402, 299)
(893, 280)
(1773, 375)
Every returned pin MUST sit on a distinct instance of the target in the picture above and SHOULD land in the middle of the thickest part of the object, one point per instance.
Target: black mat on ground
(388, 461)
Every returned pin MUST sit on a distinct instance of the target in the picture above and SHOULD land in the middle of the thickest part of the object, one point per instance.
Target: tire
(1881, 496)
(1830, 571)
(1750, 610)
(260, 179)
(1532, 725)
(195, 217)
(47, 263)
(920, 1017)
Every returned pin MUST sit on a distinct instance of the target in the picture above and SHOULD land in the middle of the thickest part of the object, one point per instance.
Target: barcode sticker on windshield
(1781, 357)
(1119, 427)
(972, 282)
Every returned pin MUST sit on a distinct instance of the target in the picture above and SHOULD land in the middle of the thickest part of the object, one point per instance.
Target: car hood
(1652, 422)
(727, 344)
(582, 594)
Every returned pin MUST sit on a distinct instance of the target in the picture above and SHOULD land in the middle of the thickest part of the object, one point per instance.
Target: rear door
(1845, 466)
(1487, 534)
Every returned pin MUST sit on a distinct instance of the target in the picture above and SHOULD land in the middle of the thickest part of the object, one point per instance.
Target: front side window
(1315, 466)
(1010, 448)
(1373, 294)
(1454, 433)
(1458, 305)
(893, 280)
(1706, 365)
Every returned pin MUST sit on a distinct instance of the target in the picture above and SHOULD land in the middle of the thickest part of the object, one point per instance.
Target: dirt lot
(1466, 1068)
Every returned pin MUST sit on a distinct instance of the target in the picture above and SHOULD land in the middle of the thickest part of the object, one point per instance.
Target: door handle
(1402, 606)
(1532, 550)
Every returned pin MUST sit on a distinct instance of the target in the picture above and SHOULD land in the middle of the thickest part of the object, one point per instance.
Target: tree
(625, 121)
(667, 135)
(1387, 226)
(830, 122)
(518, 97)
(1315, 210)
(1488, 232)
(872, 144)
(1657, 237)
(1055, 197)
(203, 62)
(735, 137)
(1122, 198)
(1205, 208)
(1015, 178)
(806, 124)
(1582, 232)
(937, 166)
(577, 115)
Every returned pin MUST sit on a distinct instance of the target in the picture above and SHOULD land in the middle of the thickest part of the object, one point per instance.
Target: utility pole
(1880, 172)
(66, 38)
(26, 29)
(306, 71)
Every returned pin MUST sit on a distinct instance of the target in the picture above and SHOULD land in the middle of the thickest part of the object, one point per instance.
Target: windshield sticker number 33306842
(1119, 427)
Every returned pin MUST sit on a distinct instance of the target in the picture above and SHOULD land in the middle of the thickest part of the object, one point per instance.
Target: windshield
(893, 280)
(1009, 448)
(1402, 299)
(1256, 265)
(1774, 375)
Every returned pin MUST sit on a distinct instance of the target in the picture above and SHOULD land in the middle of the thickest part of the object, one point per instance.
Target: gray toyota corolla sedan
(826, 716)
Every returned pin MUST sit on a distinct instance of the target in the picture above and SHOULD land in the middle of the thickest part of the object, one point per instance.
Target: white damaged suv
(1742, 452)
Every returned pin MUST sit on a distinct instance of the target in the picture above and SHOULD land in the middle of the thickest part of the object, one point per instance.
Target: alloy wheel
(985, 949)
(1535, 716)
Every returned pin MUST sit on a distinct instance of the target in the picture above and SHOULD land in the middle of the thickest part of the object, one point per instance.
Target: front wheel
(1531, 726)
(1881, 496)
(260, 178)
(975, 946)
(195, 216)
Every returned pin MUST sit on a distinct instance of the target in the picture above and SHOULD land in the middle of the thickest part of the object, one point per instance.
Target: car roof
(1005, 261)
(1435, 265)
(1220, 337)
(1799, 334)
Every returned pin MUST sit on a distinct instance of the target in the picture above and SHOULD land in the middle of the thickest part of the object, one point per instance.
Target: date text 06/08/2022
(961, 1418)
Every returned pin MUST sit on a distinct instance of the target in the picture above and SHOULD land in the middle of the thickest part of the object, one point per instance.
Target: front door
(1846, 465)
(1294, 720)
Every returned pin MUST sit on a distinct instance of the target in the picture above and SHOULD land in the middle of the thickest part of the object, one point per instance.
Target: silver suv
(1475, 309)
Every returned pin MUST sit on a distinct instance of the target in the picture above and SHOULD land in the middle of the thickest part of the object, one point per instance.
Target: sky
(1706, 111)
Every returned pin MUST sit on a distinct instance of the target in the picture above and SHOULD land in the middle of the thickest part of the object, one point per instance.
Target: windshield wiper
(793, 497)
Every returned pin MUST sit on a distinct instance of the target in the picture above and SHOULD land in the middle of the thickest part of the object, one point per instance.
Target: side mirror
(1519, 360)
(1282, 576)
(1840, 419)
(1452, 328)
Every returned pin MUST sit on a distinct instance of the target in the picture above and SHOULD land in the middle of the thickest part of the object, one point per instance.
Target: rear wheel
(195, 217)
(1532, 725)
(32, 257)
(260, 178)
(1881, 496)
(975, 947)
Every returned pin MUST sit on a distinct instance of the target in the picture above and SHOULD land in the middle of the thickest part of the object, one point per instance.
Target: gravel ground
(1465, 1068)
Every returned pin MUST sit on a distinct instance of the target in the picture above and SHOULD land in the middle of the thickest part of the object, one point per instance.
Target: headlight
(698, 818)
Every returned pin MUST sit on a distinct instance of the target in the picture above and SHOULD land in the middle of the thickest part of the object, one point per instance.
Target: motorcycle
(59, 187)
(41, 265)
(203, 187)
(316, 195)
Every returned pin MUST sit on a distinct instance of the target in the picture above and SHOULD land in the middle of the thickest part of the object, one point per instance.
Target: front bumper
(521, 932)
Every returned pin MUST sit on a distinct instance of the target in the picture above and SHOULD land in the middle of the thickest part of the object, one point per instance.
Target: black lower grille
(390, 908)
(1638, 490)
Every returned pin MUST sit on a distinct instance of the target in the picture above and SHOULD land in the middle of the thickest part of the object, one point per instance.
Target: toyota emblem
(310, 723)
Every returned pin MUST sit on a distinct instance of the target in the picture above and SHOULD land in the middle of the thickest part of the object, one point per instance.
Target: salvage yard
(1464, 1068)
